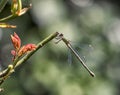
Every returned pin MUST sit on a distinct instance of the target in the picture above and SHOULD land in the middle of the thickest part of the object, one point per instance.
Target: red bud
(16, 41)
(26, 48)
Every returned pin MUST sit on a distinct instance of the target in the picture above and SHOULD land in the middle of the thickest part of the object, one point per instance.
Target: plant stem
(5, 73)
(2, 4)
(19, 5)
(15, 62)
(8, 18)
(39, 45)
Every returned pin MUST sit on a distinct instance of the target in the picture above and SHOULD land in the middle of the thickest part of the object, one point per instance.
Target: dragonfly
(61, 37)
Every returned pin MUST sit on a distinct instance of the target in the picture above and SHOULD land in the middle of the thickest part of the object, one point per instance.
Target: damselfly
(59, 38)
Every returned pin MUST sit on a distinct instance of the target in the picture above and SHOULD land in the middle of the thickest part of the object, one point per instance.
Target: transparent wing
(84, 51)
(69, 57)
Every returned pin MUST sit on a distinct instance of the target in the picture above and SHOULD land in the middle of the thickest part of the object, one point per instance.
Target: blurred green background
(50, 71)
